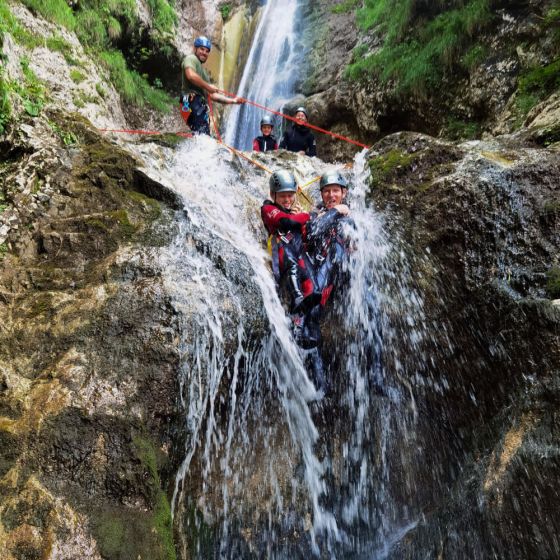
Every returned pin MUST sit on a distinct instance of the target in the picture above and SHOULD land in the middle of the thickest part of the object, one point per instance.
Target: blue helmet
(203, 42)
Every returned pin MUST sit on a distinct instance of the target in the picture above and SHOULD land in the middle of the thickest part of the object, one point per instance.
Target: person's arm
(275, 219)
(227, 100)
(256, 147)
(197, 81)
(311, 146)
(284, 141)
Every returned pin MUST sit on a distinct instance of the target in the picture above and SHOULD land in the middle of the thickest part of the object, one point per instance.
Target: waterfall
(267, 468)
(260, 389)
(270, 73)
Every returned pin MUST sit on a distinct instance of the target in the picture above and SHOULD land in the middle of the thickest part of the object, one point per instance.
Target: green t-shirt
(190, 61)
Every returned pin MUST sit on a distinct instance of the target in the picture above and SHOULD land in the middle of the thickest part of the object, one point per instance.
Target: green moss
(162, 521)
(111, 533)
(76, 76)
(151, 204)
(3, 250)
(384, 166)
(553, 282)
(345, 6)
(127, 229)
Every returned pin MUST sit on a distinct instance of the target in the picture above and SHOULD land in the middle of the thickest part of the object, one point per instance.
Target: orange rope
(241, 154)
(318, 129)
(145, 132)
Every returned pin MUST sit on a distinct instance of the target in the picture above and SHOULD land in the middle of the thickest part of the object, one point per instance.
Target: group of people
(196, 88)
(309, 254)
(309, 250)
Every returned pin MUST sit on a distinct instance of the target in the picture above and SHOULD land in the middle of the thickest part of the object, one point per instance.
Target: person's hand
(239, 100)
(342, 209)
(212, 89)
(302, 152)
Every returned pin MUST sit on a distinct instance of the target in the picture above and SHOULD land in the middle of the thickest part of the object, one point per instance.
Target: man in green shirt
(196, 88)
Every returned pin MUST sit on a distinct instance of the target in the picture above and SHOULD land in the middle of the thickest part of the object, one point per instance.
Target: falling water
(269, 470)
(271, 71)
(246, 397)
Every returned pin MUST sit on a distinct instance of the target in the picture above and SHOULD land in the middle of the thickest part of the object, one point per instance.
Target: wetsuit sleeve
(276, 220)
(311, 146)
(256, 147)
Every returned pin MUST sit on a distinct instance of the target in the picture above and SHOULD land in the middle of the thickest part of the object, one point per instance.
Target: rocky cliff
(450, 78)
(97, 351)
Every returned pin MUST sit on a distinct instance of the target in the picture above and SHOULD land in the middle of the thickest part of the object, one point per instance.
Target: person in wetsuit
(299, 138)
(266, 142)
(196, 87)
(285, 226)
(327, 247)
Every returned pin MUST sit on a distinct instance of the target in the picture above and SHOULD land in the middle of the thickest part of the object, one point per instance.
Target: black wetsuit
(265, 143)
(299, 138)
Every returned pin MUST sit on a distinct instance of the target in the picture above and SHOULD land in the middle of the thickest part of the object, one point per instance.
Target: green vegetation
(163, 525)
(384, 166)
(57, 11)
(77, 76)
(418, 51)
(31, 91)
(3, 250)
(536, 84)
(100, 26)
(461, 130)
(553, 282)
(68, 137)
(345, 6)
(225, 10)
(131, 85)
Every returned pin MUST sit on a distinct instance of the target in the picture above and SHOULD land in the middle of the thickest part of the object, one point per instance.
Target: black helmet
(203, 42)
(332, 178)
(282, 181)
(301, 110)
(267, 119)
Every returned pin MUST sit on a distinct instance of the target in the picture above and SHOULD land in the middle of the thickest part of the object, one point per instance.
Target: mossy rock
(553, 282)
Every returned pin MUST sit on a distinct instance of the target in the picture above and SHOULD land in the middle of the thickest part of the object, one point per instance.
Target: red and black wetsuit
(286, 229)
(265, 143)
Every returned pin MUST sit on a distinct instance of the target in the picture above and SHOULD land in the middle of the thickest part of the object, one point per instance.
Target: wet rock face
(88, 360)
(484, 216)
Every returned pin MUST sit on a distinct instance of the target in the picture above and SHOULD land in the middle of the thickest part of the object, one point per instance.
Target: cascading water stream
(270, 368)
(270, 73)
(267, 469)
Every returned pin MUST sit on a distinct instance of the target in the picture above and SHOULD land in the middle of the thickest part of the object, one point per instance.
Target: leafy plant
(225, 10)
(536, 84)
(76, 76)
(68, 137)
(417, 52)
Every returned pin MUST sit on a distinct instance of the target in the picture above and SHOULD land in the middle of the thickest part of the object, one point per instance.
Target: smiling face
(332, 195)
(301, 117)
(284, 199)
(266, 129)
(202, 54)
